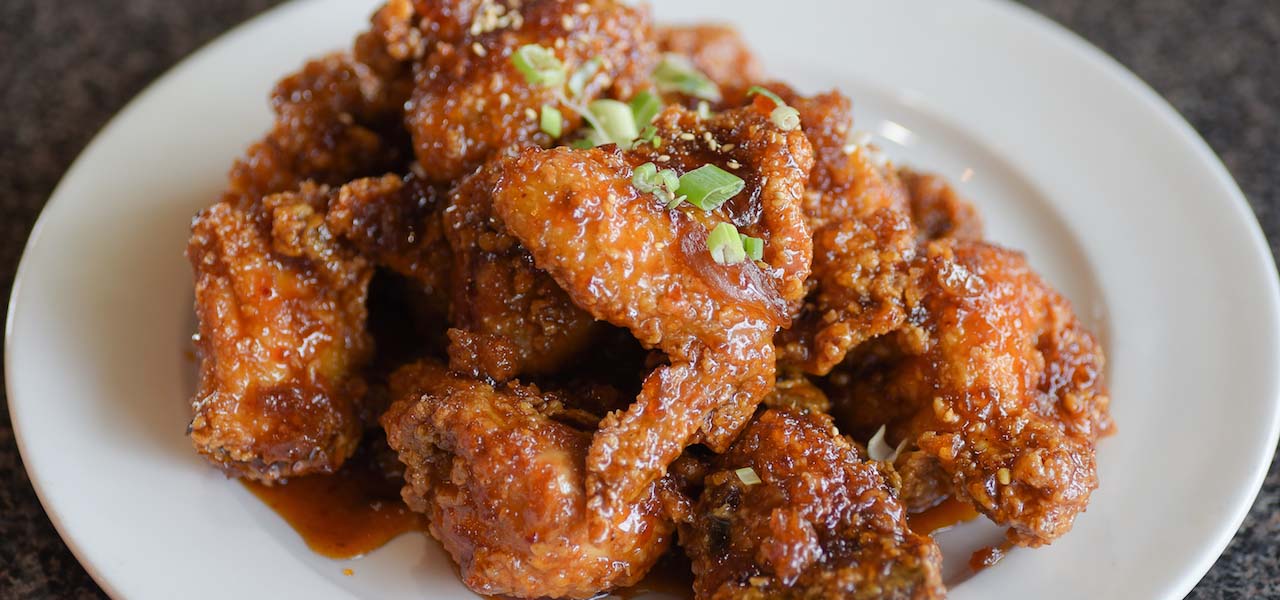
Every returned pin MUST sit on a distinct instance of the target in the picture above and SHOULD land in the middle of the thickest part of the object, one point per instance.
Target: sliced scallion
(676, 74)
(785, 117)
(710, 186)
(754, 247)
(704, 110)
(552, 121)
(748, 476)
(662, 183)
(539, 65)
(578, 81)
(755, 89)
(644, 107)
(726, 245)
(616, 123)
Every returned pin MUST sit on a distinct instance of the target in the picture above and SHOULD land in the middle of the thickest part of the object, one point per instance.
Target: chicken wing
(793, 511)
(628, 259)
(995, 380)
(501, 473)
(470, 101)
(282, 338)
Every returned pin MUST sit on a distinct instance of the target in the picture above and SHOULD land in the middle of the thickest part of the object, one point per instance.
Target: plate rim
(1079, 47)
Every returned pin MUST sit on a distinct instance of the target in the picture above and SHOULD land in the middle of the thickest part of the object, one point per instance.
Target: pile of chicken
(572, 373)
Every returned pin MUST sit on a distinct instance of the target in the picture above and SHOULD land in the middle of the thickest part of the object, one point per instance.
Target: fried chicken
(995, 380)
(281, 307)
(469, 100)
(793, 511)
(628, 259)
(501, 473)
(937, 210)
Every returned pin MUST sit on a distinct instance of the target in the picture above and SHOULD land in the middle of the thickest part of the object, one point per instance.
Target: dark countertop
(67, 70)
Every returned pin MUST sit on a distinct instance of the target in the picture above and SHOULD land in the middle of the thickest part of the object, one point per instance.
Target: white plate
(1069, 156)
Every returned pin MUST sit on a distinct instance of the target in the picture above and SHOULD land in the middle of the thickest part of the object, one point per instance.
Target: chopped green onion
(675, 202)
(616, 123)
(676, 74)
(661, 183)
(648, 135)
(754, 247)
(785, 117)
(578, 81)
(645, 106)
(710, 186)
(748, 476)
(755, 89)
(539, 65)
(704, 110)
(582, 144)
(726, 245)
(552, 121)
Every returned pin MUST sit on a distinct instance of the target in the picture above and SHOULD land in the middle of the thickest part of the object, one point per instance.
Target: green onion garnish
(704, 110)
(616, 123)
(676, 74)
(578, 81)
(582, 144)
(644, 107)
(539, 65)
(755, 89)
(710, 186)
(785, 117)
(748, 476)
(661, 183)
(552, 121)
(754, 247)
(726, 245)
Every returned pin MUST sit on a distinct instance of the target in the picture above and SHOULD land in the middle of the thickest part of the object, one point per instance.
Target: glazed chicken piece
(937, 210)
(281, 307)
(995, 381)
(718, 51)
(628, 259)
(511, 318)
(501, 473)
(470, 101)
(793, 510)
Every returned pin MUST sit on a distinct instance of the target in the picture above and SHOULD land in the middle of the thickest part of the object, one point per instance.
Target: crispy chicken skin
(718, 51)
(627, 259)
(995, 380)
(470, 102)
(821, 523)
(281, 310)
(501, 473)
(511, 318)
(937, 210)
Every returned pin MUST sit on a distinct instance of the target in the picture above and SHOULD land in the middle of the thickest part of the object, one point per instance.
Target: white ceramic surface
(1069, 156)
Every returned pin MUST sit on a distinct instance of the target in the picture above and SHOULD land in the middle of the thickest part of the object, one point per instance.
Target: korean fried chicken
(501, 473)
(281, 309)
(793, 511)
(470, 101)
(995, 381)
(628, 259)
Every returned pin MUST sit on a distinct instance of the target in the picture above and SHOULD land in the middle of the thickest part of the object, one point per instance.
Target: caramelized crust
(501, 476)
(281, 310)
(994, 379)
(820, 523)
(627, 259)
(937, 211)
(470, 102)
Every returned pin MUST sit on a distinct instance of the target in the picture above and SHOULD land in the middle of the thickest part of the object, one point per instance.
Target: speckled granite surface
(67, 69)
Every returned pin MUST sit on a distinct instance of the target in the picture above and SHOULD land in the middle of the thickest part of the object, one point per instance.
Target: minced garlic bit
(748, 476)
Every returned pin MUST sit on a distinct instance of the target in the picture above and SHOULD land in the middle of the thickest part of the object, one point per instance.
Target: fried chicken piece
(718, 51)
(502, 304)
(396, 223)
(995, 380)
(628, 259)
(336, 119)
(794, 391)
(281, 307)
(471, 102)
(937, 211)
(820, 523)
(500, 471)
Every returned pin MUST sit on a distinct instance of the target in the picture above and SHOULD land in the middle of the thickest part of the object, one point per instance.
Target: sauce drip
(987, 557)
(943, 516)
(345, 515)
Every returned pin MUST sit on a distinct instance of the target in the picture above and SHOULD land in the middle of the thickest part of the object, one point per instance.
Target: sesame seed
(728, 147)
(688, 137)
(664, 158)
(567, 21)
(532, 114)
(583, 8)
(478, 49)
(504, 99)
(733, 164)
(1003, 476)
